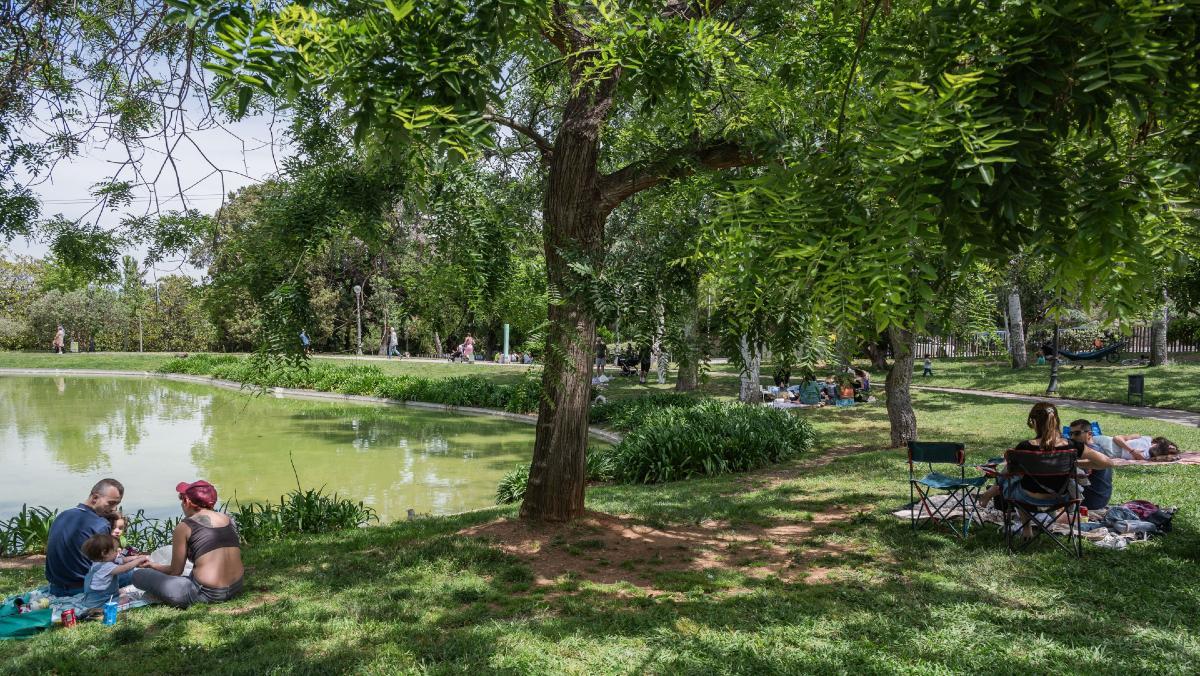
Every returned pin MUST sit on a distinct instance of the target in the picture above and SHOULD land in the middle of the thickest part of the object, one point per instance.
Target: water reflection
(58, 435)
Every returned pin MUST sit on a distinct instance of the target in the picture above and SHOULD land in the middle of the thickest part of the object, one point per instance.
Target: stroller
(457, 354)
(628, 363)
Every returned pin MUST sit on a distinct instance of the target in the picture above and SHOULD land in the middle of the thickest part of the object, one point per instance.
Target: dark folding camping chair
(1053, 472)
(960, 492)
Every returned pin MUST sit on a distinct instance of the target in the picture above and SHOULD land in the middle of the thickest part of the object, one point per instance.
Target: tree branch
(543, 144)
(690, 9)
(863, 29)
(631, 179)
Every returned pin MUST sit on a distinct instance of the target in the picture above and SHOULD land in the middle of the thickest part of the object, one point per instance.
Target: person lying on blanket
(1135, 447)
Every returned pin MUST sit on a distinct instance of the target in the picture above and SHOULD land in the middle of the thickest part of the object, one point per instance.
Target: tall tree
(679, 73)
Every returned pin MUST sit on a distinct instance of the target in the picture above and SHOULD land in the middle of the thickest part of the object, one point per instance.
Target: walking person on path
(392, 343)
(469, 349)
(305, 343)
(59, 338)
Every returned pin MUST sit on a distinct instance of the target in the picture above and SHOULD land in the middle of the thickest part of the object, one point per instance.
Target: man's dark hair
(105, 483)
(1082, 422)
(1162, 446)
(99, 545)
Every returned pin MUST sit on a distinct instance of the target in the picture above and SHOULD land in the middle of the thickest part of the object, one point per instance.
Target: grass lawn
(798, 568)
(1174, 386)
(111, 361)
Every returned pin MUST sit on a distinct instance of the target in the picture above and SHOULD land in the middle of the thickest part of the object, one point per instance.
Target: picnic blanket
(1186, 458)
(24, 625)
(1099, 531)
(784, 403)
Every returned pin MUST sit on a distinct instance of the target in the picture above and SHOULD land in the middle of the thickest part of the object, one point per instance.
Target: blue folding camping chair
(961, 492)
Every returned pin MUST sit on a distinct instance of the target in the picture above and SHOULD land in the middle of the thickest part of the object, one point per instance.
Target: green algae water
(59, 435)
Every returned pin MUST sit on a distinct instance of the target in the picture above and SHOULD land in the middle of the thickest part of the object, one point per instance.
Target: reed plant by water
(145, 533)
(27, 532)
(300, 511)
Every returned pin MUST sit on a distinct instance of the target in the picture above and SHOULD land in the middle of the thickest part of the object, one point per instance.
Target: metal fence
(950, 346)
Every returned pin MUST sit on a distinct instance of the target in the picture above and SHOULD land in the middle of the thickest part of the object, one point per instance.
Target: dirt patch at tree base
(608, 549)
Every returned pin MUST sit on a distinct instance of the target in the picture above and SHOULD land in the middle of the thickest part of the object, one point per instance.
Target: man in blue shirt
(1099, 491)
(66, 565)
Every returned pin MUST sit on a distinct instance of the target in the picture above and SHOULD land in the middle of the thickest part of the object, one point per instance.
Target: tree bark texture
(1016, 331)
(688, 375)
(574, 230)
(1158, 335)
(660, 357)
(750, 390)
(901, 416)
(877, 353)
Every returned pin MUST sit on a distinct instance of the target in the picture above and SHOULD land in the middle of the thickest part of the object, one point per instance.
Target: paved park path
(1164, 414)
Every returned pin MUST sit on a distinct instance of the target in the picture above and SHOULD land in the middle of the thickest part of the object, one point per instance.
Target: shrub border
(602, 435)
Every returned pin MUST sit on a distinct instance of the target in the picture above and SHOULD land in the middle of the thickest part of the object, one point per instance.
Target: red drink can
(68, 617)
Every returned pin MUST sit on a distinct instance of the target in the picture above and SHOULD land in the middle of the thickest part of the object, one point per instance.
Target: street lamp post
(358, 306)
(1052, 388)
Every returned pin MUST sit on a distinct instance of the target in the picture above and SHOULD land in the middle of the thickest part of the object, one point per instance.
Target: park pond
(59, 434)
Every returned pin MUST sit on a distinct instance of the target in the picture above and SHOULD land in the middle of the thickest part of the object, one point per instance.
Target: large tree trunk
(656, 348)
(899, 398)
(1016, 332)
(750, 391)
(1158, 335)
(574, 230)
(688, 375)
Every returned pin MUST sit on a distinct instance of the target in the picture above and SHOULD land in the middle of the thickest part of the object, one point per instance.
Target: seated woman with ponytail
(1043, 419)
(209, 539)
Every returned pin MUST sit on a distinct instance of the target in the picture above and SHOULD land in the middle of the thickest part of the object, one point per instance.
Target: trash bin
(1137, 388)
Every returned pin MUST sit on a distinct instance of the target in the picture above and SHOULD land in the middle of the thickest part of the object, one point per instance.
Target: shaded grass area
(418, 597)
(1173, 386)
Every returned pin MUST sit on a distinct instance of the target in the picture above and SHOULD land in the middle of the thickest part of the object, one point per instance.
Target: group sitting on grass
(84, 554)
(855, 386)
(1096, 455)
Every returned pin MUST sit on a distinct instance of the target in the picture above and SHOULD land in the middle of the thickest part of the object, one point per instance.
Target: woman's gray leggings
(181, 591)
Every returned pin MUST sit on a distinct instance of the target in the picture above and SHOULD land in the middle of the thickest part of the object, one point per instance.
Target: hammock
(1094, 355)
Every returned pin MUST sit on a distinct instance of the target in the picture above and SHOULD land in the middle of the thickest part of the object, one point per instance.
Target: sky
(243, 150)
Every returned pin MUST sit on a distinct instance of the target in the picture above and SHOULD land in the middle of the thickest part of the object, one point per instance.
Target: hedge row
(367, 380)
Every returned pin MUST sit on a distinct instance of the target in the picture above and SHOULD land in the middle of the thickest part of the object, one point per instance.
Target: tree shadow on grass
(417, 596)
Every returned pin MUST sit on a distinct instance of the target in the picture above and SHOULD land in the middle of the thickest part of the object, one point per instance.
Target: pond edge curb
(602, 435)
